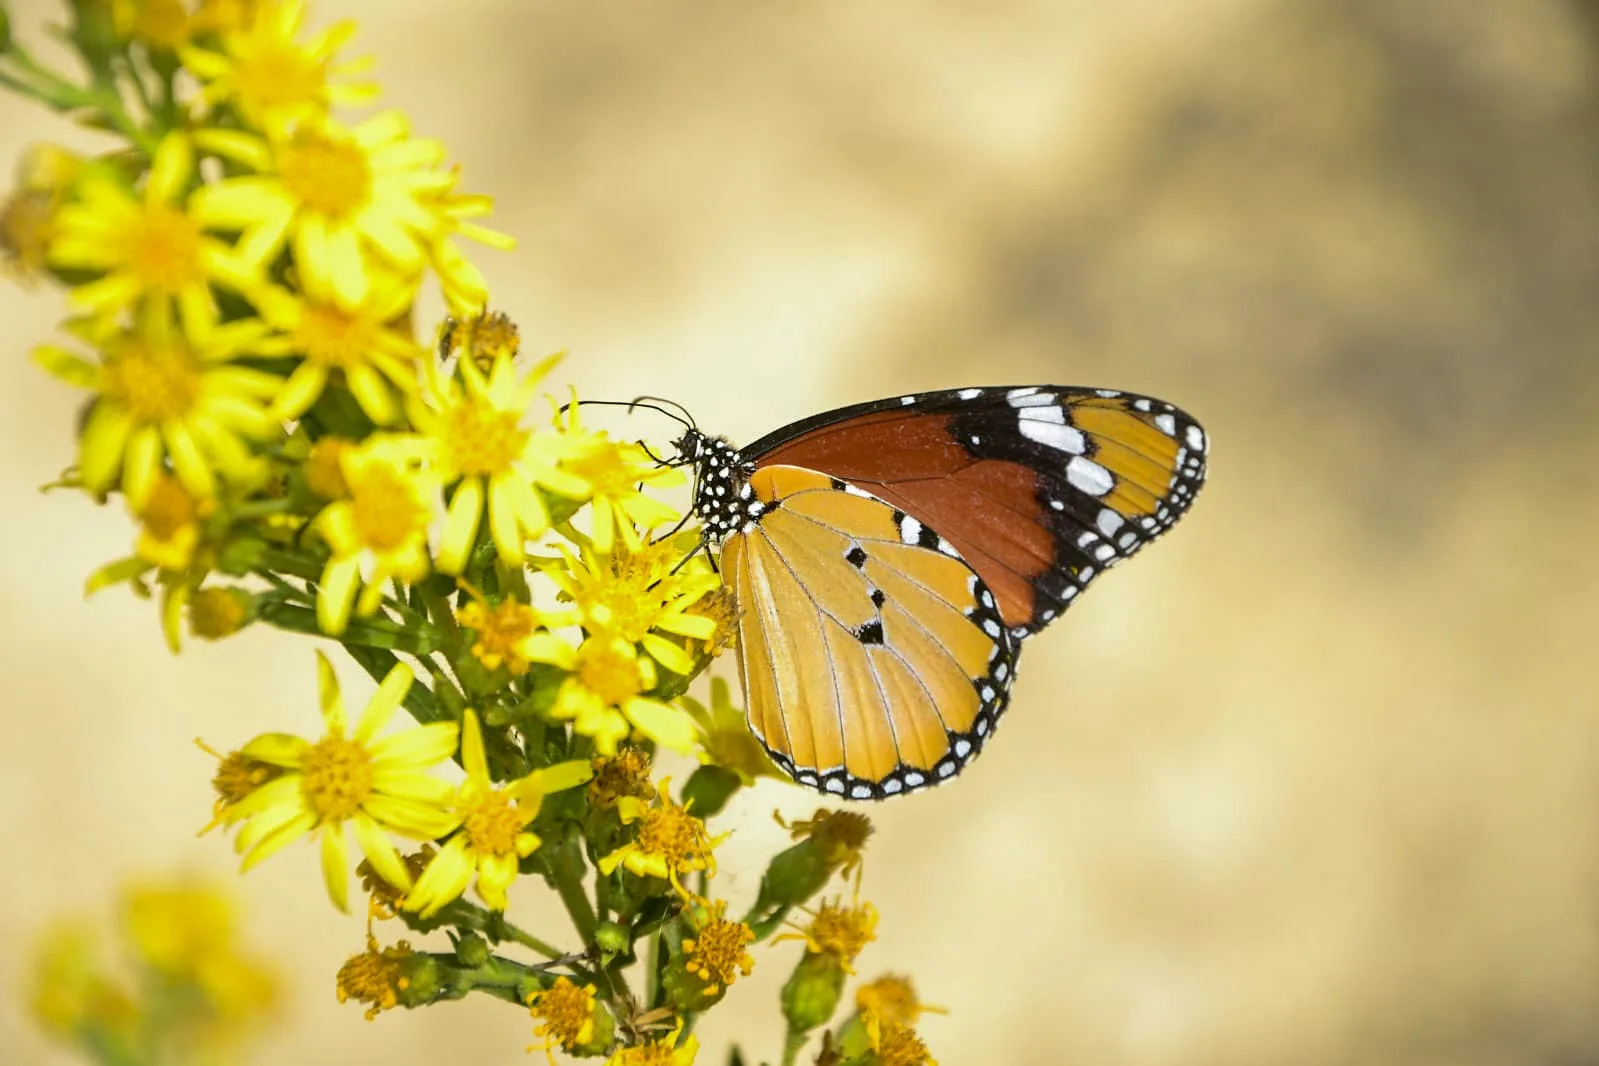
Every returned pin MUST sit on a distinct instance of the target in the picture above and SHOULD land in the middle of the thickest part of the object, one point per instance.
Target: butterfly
(888, 559)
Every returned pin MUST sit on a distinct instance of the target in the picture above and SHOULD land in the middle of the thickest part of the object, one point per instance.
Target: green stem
(792, 1044)
(54, 91)
(569, 886)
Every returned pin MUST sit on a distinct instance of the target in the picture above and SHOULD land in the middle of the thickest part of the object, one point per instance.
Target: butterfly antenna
(655, 403)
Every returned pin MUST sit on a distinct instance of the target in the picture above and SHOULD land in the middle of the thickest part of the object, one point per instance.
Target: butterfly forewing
(1037, 488)
(873, 655)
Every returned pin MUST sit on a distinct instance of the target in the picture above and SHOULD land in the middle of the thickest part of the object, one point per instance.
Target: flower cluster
(242, 266)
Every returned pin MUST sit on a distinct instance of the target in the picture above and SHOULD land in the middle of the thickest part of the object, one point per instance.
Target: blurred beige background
(1315, 780)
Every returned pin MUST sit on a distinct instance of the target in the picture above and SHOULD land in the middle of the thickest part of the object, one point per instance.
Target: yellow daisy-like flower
(605, 699)
(636, 595)
(366, 347)
(617, 473)
(375, 977)
(375, 784)
(663, 1052)
(725, 738)
(465, 291)
(379, 531)
(165, 397)
(837, 931)
(718, 952)
(237, 777)
(346, 201)
(273, 80)
(494, 832)
(188, 933)
(148, 247)
(670, 841)
(474, 422)
(565, 1012)
(509, 633)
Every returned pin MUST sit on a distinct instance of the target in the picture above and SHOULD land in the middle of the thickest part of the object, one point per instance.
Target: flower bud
(612, 938)
(813, 990)
(472, 950)
(793, 876)
(687, 991)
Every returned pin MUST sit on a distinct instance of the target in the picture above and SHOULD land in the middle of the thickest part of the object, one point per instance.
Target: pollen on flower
(897, 1045)
(237, 776)
(841, 835)
(494, 822)
(483, 440)
(217, 612)
(338, 778)
(839, 931)
(627, 773)
(335, 337)
(163, 250)
(721, 609)
(611, 675)
(717, 952)
(482, 337)
(155, 386)
(375, 977)
(500, 630)
(565, 1013)
(331, 177)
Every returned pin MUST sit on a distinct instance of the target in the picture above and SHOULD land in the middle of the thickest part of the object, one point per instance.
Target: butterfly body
(888, 559)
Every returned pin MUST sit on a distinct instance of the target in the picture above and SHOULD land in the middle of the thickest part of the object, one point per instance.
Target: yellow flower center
(154, 386)
(163, 250)
(386, 510)
(500, 631)
(336, 338)
(842, 931)
(168, 510)
(493, 823)
(481, 440)
(716, 953)
(673, 833)
(375, 977)
(612, 676)
(329, 177)
(215, 613)
(898, 1045)
(338, 778)
(605, 468)
(239, 775)
(567, 1012)
(277, 75)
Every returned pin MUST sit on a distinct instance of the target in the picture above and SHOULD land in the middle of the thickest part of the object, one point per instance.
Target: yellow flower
(464, 289)
(669, 842)
(169, 524)
(566, 1015)
(163, 397)
(381, 527)
(717, 952)
(725, 738)
(71, 993)
(635, 592)
(147, 248)
(893, 999)
(28, 215)
(365, 347)
(374, 784)
(324, 468)
(605, 699)
(188, 933)
(837, 931)
(237, 777)
(494, 832)
(346, 201)
(508, 633)
(375, 977)
(273, 80)
(663, 1052)
(475, 424)
(224, 16)
(218, 612)
(895, 1044)
(617, 474)
(839, 837)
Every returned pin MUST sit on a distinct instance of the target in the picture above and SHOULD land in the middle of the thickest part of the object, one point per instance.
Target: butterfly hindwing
(1038, 488)
(874, 657)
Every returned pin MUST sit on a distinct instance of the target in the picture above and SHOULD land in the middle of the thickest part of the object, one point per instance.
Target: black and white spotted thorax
(723, 499)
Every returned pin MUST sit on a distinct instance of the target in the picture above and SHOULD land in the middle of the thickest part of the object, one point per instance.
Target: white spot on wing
(1060, 437)
(910, 530)
(1196, 438)
(1167, 424)
(1089, 476)
(1109, 521)
(969, 394)
(1029, 397)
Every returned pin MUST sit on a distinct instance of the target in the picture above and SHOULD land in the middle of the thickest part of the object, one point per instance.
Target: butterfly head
(723, 499)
